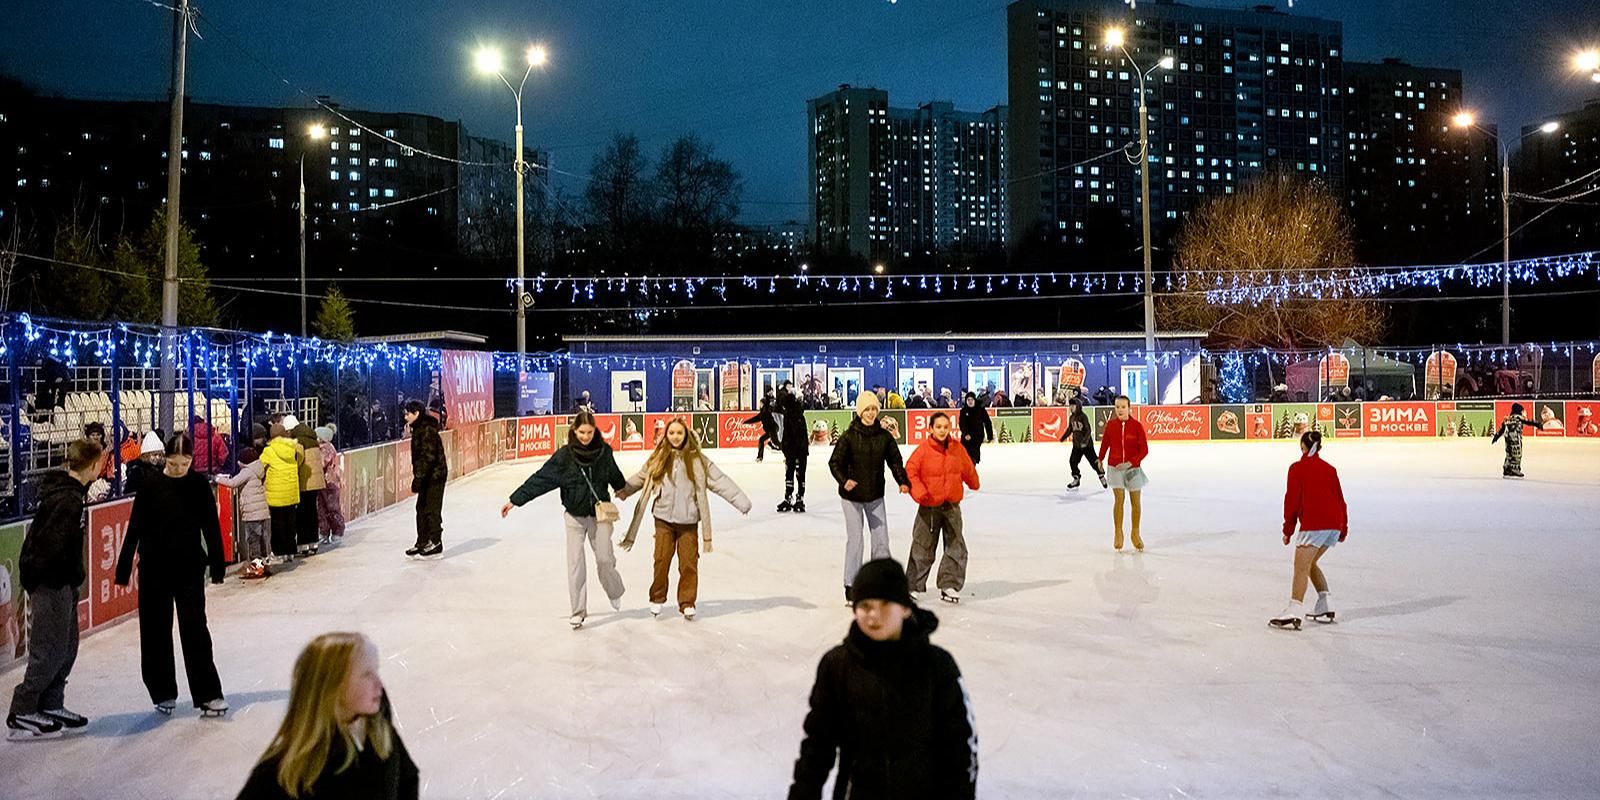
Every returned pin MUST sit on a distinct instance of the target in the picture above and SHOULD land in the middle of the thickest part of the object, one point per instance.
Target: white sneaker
(950, 595)
(655, 609)
(688, 612)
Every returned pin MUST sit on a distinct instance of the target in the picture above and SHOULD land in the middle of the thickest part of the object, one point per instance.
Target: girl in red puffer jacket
(1125, 442)
(939, 470)
(1315, 501)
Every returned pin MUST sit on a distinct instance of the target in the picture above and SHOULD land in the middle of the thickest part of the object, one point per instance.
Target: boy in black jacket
(428, 475)
(891, 704)
(1081, 432)
(52, 570)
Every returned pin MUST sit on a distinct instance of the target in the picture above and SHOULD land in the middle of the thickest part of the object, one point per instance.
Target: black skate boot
(1103, 483)
(800, 506)
(1076, 482)
(785, 506)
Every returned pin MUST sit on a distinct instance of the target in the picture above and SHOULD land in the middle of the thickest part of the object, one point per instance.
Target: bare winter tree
(617, 196)
(11, 243)
(697, 193)
(1270, 231)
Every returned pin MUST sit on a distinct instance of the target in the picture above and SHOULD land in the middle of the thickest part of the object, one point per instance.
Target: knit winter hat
(152, 444)
(882, 579)
(865, 401)
(258, 431)
(290, 423)
(324, 434)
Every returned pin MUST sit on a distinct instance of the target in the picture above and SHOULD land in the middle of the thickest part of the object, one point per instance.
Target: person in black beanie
(890, 703)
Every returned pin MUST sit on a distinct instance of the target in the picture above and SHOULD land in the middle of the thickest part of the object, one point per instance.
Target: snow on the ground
(1466, 661)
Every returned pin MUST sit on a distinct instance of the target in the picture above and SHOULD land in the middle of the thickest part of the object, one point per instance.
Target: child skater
(677, 476)
(254, 512)
(1316, 502)
(1125, 442)
(939, 470)
(1080, 431)
(1512, 430)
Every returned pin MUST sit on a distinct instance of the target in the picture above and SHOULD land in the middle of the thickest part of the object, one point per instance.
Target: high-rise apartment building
(1248, 91)
(1562, 166)
(899, 182)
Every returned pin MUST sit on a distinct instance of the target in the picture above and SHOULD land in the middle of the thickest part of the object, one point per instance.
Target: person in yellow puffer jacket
(283, 457)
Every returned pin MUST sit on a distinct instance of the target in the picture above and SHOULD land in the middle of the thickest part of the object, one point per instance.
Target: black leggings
(1079, 452)
(761, 445)
(794, 472)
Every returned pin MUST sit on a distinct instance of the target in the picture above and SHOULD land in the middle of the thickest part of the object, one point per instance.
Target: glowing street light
(1465, 119)
(316, 132)
(489, 61)
(1115, 37)
(1587, 60)
(877, 268)
(537, 55)
(1550, 127)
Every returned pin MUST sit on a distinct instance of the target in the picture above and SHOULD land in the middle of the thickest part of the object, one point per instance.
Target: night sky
(737, 73)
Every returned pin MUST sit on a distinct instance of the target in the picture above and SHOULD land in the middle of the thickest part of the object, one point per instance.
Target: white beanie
(290, 423)
(152, 444)
(866, 400)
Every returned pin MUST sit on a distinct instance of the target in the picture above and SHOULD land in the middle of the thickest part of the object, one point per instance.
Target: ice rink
(1466, 660)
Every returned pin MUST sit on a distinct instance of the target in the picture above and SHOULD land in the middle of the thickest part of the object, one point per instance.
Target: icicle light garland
(275, 353)
(1219, 286)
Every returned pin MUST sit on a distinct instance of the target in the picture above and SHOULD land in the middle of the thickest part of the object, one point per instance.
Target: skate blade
(30, 736)
(165, 712)
(209, 714)
(1284, 625)
(951, 600)
(1325, 619)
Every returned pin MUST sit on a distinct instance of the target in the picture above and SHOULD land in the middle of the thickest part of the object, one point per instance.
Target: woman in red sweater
(1124, 439)
(940, 470)
(1316, 502)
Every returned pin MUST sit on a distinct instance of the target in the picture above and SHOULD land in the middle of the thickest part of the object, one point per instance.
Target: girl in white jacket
(676, 477)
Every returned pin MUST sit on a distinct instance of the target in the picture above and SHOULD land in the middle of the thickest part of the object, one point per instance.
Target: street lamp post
(314, 133)
(489, 62)
(1466, 119)
(1115, 37)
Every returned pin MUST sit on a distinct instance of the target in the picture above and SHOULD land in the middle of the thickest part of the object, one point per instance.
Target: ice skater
(859, 459)
(1080, 431)
(1511, 429)
(254, 513)
(429, 471)
(1315, 501)
(1127, 446)
(673, 483)
(52, 569)
(888, 704)
(337, 739)
(768, 418)
(174, 529)
(585, 470)
(976, 427)
(795, 440)
(940, 470)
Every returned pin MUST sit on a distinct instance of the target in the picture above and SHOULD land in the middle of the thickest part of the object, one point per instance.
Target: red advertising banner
(1050, 424)
(732, 432)
(469, 452)
(609, 426)
(1502, 409)
(656, 424)
(225, 517)
(1258, 421)
(1580, 418)
(1072, 373)
(1594, 372)
(1439, 372)
(1180, 423)
(468, 382)
(1398, 419)
(108, 526)
(1334, 370)
(536, 436)
(918, 425)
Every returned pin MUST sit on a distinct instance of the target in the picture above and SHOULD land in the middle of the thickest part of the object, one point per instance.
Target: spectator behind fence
(330, 514)
(152, 457)
(210, 447)
(338, 738)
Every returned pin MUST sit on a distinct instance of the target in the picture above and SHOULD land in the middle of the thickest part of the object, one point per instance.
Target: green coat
(563, 472)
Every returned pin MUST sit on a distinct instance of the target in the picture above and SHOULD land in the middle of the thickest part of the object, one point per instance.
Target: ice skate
(1289, 617)
(1116, 540)
(68, 719)
(849, 599)
(576, 621)
(689, 613)
(1103, 483)
(785, 506)
(950, 595)
(1138, 544)
(31, 727)
(167, 707)
(616, 604)
(799, 506)
(412, 552)
(430, 550)
(655, 609)
(1321, 612)
(213, 709)
(1076, 482)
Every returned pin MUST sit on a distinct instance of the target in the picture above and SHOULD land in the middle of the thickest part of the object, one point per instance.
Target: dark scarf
(586, 455)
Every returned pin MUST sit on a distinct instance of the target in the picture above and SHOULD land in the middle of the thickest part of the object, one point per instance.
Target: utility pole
(169, 283)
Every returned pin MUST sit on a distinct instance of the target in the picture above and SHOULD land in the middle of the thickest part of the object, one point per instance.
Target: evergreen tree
(1285, 426)
(75, 292)
(1005, 434)
(833, 432)
(196, 306)
(1466, 427)
(336, 321)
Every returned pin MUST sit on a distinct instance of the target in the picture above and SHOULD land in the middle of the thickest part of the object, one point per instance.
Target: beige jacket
(706, 476)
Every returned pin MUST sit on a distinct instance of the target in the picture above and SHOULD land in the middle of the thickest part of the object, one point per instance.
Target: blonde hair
(313, 719)
(660, 463)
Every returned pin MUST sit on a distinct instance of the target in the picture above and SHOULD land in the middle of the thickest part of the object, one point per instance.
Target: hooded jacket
(52, 551)
(428, 463)
(175, 530)
(250, 481)
(282, 458)
(210, 449)
(1314, 498)
(940, 472)
(573, 470)
(311, 479)
(975, 423)
(796, 434)
(861, 454)
(897, 714)
(1080, 431)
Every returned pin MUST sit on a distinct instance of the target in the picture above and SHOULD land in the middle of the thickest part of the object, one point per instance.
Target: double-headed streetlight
(490, 62)
(1117, 38)
(1467, 120)
(314, 133)
(1588, 61)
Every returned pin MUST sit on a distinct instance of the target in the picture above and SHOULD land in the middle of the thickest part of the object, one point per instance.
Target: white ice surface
(1466, 661)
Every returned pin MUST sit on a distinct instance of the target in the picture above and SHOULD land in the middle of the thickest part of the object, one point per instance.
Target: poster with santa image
(1439, 374)
(1581, 419)
(1258, 421)
(468, 383)
(1398, 419)
(1547, 417)
(108, 526)
(632, 433)
(733, 432)
(1175, 423)
(1050, 424)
